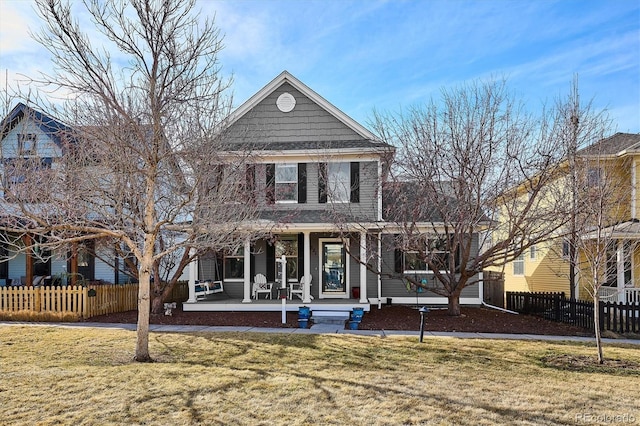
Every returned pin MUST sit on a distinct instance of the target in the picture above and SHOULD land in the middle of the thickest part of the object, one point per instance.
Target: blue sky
(366, 54)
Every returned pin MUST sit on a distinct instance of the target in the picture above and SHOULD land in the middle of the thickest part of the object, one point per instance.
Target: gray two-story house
(319, 178)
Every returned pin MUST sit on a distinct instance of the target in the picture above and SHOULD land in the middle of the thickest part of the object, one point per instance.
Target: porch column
(193, 275)
(620, 270)
(247, 271)
(363, 267)
(306, 291)
(379, 274)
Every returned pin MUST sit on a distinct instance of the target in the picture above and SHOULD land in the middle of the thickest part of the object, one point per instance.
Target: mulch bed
(388, 318)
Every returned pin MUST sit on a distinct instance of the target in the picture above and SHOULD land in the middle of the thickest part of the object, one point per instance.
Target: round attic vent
(286, 102)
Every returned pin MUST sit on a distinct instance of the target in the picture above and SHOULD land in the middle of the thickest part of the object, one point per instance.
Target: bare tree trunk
(596, 323)
(453, 306)
(142, 332)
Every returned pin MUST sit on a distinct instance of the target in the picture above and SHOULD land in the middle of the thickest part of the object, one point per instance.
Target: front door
(333, 262)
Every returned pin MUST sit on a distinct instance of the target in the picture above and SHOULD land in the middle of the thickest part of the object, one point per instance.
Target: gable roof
(614, 146)
(49, 125)
(286, 77)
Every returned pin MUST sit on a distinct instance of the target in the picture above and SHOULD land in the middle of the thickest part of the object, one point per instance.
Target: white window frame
(518, 263)
(280, 180)
(533, 252)
(338, 185)
(279, 253)
(238, 255)
(27, 144)
(427, 269)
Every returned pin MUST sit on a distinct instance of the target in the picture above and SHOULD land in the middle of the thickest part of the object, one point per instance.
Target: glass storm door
(334, 270)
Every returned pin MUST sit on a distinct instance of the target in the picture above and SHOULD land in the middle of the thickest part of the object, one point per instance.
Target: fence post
(85, 301)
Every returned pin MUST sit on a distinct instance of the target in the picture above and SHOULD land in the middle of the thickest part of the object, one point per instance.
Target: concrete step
(329, 317)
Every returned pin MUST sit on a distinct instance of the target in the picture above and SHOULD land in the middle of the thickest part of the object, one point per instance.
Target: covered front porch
(323, 267)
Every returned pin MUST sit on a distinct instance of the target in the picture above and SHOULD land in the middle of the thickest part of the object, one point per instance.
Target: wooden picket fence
(617, 317)
(83, 302)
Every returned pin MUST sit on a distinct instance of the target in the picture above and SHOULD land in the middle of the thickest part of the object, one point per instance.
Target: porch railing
(610, 294)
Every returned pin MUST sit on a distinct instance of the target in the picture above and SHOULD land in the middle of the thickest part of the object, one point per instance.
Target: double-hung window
(434, 256)
(287, 246)
(286, 183)
(27, 144)
(518, 265)
(338, 182)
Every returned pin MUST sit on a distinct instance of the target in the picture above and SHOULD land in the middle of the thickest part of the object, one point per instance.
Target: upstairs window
(594, 177)
(24, 179)
(518, 265)
(286, 190)
(338, 182)
(27, 144)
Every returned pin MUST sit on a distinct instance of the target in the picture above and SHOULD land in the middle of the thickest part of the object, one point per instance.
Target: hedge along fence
(81, 302)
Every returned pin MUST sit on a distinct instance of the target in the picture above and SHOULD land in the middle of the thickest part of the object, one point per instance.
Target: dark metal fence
(617, 317)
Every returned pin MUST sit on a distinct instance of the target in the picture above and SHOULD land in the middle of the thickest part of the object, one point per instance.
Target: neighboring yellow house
(545, 267)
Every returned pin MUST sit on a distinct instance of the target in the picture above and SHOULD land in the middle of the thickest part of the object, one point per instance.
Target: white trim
(247, 271)
(321, 294)
(422, 300)
(634, 213)
(286, 77)
(363, 267)
(307, 266)
(193, 276)
(379, 190)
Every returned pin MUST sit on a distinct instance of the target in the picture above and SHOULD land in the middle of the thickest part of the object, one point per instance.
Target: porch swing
(205, 288)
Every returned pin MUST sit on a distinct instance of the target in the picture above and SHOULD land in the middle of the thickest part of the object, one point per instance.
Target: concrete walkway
(318, 329)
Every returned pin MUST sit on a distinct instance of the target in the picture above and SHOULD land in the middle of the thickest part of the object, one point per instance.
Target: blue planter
(304, 312)
(357, 314)
(353, 325)
(303, 323)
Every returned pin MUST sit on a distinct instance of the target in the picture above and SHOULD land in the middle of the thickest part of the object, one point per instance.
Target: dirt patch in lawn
(388, 318)
(589, 364)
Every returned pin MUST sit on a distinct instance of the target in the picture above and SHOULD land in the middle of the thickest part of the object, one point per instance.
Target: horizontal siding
(366, 208)
(307, 122)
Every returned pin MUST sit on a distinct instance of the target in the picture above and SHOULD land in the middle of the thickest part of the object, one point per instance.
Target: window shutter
(300, 255)
(271, 183)
(302, 182)
(355, 182)
(271, 262)
(322, 182)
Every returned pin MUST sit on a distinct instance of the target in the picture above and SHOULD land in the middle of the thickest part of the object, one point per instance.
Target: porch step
(329, 317)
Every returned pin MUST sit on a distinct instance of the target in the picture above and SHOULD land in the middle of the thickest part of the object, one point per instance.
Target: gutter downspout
(498, 308)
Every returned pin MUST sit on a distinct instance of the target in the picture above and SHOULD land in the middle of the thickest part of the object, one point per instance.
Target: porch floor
(270, 305)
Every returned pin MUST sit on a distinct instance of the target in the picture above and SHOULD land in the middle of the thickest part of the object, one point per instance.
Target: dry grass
(86, 376)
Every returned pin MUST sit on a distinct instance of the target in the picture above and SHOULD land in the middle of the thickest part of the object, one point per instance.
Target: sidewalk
(318, 329)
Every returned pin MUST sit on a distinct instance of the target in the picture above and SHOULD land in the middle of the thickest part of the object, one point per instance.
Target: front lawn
(86, 376)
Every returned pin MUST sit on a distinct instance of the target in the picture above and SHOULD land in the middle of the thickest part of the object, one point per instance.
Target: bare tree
(470, 187)
(143, 154)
